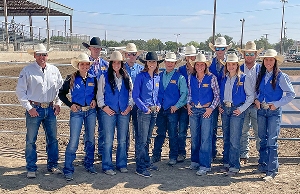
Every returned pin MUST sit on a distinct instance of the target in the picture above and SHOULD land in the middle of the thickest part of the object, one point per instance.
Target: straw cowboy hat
(116, 56)
(39, 48)
(250, 47)
(200, 58)
(151, 56)
(171, 56)
(232, 58)
(220, 42)
(131, 48)
(190, 51)
(272, 53)
(81, 58)
(94, 42)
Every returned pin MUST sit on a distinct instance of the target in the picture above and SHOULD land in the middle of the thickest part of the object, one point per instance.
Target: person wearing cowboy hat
(115, 100)
(172, 95)
(251, 69)
(37, 91)
(204, 97)
(236, 95)
(271, 85)
(82, 87)
(98, 68)
(131, 53)
(145, 96)
(220, 47)
(185, 70)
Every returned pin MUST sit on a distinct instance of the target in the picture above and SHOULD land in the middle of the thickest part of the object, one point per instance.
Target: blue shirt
(98, 68)
(134, 70)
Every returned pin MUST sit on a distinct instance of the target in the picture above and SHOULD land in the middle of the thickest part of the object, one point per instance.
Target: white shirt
(37, 86)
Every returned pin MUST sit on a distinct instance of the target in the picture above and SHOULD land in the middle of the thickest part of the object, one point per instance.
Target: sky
(168, 20)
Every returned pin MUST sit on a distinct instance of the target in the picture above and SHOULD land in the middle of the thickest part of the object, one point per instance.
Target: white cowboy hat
(190, 51)
(39, 48)
(250, 47)
(232, 58)
(116, 56)
(220, 42)
(200, 58)
(131, 48)
(274, 54)
(171, 56)
(81, 58)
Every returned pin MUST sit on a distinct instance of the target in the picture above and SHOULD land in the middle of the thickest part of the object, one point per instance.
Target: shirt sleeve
(100, 91)
(249, 94)
(183, 92)
(287, 87)
(189, 97)
(216, 92)
(130, 100)
(21, 90)
(60, 82)
(137, 87)
(64, 90)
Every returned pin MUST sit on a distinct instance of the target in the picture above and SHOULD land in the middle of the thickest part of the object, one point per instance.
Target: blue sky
(134, 19)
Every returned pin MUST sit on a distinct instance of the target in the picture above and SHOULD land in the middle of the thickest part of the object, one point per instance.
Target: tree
(194, 43)
(155, 45)
(171, 46)
(287, 43)
(262, 43)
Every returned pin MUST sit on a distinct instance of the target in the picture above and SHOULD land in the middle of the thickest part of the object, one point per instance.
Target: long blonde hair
(72, 79)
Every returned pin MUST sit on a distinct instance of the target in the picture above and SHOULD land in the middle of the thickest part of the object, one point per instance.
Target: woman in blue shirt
(236, 95)
(145, 92)
(83, 89)
(114, 98)
(270, 86)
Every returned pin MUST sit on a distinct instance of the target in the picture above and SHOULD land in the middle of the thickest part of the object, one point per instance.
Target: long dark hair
(111, 78)
(262, 72)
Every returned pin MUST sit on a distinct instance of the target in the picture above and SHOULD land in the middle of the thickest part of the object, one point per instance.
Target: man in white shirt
(37, 91)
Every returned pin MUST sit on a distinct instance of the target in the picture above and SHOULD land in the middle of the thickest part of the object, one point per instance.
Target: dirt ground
(176, 179)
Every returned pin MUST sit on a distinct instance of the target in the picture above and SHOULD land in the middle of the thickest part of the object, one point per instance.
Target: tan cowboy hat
(171, 56)
(131, 48)
(116, 56)
(190, 51)
(220, 42)
(274, 54)
(39, 48)
(81, 58)
(200, 58)
(250, 47)
(232, 58)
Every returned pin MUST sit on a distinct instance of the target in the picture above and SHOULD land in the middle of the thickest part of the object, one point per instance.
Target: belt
(41, 104)
(228, 104)
(153, 109)
(264, 105)
(200, 106)
(85, 108)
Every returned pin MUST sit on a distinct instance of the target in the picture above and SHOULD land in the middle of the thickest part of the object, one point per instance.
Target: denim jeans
(166, 121)
(215, 116)
(48, 120)
(250, 120)
(133, 114)
(182, 131)
(146, 124)
(100, 132)
(268, 132)
(201, 135)
(88, 118)
(121, 124)
(232, 131)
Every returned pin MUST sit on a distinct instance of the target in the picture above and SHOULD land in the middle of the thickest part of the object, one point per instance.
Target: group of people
(114, 90)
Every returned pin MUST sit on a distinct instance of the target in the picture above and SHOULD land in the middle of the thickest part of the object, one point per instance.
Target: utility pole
(48, 33)
(242, 35)
(177, 41)
(282, 21)
(214, 22)
(6, 24)
(65, 28)
(266, 35)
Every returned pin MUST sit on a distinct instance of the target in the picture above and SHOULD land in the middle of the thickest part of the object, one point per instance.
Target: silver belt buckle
(198, 105)
(228, 104)
(264, 105)
(85, 108)
(153, 109)
(44, 105)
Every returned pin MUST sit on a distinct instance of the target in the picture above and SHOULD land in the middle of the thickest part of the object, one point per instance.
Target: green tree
(194, 43)
(286, 44)
(171, 46)
(263, 43)
(155, 45)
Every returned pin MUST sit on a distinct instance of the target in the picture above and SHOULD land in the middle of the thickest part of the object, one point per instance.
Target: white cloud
(269, 2)
(197, 16)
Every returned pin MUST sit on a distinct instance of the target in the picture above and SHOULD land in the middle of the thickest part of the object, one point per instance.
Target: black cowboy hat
(95, 42)
(151, 56)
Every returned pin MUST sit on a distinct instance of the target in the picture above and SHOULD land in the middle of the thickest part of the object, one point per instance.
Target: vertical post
(214, 22)
(30, 27)
(106, 38)
(281, 48)
(39, 33)
(71, 33)
(242, 35)
(65, 27)
(48, 31)
(6, 24)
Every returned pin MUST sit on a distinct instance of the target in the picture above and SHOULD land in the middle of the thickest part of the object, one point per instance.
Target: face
(232, 67)
(220, 51)
(250, 57)
(170, 66)
(94, 51)
(200, 67)
(152, 65)
(84, 67)
(41, 58)
(131, 57)
(269, 63)
(188, 58)
(116, 65)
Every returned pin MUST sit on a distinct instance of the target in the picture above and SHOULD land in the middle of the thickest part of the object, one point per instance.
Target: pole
(214, 22)
(242, 35)
(282, 21)
(6, 24)
(48, 33)
(105, 38)
(65, 27)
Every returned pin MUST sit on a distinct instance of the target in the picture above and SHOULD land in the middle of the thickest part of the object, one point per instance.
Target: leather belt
(41, 104)
(85, 108)
(153, 109)
(228, 104)
(264, 105)
(200, 106)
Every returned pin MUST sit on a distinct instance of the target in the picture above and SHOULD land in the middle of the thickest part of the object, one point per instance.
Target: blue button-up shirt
(134, 70)
(99, 67)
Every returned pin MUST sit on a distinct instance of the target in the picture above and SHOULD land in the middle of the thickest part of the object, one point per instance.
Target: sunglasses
(220, 48)
(41, 54)
(249, 54)
(131, 54)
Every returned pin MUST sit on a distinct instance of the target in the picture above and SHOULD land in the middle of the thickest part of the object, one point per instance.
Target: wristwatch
(102, 107)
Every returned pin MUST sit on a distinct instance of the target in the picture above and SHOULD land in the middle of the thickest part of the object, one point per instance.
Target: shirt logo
(173, 82)
(91, 84)
(205, 85)
(103, 68)
(241, 83)
(157, 84)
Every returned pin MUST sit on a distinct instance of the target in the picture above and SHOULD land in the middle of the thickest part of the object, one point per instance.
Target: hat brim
(242, 51)
(158, 61)
(213, 47)
(279, 58)
(31, 51)
(138, 53)
(239, 62)
(75, 61)
(190, 55)
(177, 62)
(208, 63)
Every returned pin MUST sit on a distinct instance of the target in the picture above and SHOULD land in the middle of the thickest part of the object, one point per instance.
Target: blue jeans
(250, 120)
(201, 134)
(182, 132)
(88, 118)
(232, 131)
(100, 132)
(121, 124)
(146, 124)
(215, 116)
(133, 114)
(166, 121)
(48, 120)
(268, 132)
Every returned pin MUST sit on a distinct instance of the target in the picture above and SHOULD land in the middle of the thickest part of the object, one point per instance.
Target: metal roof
(34, 8)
